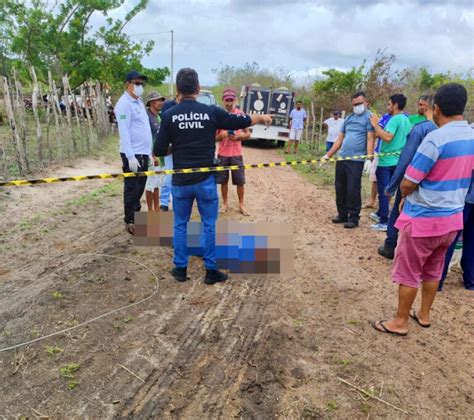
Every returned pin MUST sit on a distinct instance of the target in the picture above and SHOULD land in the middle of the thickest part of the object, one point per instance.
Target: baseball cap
(154, 96)
(229, 94)
(135, 75)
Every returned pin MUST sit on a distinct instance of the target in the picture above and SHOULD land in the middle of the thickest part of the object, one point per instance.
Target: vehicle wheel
(281, 143)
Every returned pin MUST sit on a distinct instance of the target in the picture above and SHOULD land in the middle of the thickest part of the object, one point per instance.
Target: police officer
(135, 143)
(190, 127)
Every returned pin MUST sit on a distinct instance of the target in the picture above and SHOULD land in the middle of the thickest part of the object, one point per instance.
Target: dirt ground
(255, 347)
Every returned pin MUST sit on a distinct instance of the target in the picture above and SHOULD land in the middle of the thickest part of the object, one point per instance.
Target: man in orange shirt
(230, 153)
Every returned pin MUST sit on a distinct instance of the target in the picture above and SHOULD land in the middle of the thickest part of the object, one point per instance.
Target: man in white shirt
(334, 125)
(296, 126)
(135, 143)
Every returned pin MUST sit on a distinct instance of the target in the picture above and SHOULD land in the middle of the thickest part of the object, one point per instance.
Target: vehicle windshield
(206, 99)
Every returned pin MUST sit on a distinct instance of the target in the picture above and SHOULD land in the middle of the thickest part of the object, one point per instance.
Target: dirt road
(254, 347)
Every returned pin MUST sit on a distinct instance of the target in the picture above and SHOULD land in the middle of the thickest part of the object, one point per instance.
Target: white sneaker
(379, 227)
(375, 217)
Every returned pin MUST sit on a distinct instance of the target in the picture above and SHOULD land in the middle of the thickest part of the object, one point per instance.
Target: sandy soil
(254, 347)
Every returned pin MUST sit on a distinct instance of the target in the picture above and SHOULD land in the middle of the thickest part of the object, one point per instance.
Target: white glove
(367, 166)
(324, 160)
(133, 164)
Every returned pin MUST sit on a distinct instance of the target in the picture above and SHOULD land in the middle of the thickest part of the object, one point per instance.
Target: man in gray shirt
(356, 138)
(135, 143)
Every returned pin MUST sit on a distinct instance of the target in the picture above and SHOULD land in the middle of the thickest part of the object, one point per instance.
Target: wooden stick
(39, 137)
(70, 131)
(19, 109)
(56, 111)
(131, 373)
(368, 394)
(13, 127)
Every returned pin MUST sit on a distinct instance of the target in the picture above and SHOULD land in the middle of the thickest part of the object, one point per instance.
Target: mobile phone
(230, 132)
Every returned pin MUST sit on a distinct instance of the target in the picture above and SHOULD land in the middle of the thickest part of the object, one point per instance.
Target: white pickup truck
(277, 102)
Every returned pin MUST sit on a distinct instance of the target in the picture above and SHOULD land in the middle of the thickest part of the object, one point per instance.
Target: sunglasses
(138, 83)
(229, 100)
(360, 103)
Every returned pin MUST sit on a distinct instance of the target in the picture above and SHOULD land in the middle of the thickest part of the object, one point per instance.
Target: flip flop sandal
(223, 211)
(384, 328)
(414, 316)
(244, 213)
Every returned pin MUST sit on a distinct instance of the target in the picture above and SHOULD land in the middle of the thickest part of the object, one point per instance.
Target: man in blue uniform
(190, 127)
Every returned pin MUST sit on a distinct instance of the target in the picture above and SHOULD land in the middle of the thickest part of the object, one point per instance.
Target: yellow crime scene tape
(22, 182)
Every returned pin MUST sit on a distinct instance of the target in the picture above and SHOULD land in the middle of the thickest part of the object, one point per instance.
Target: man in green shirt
(394, 137)
(420, 116)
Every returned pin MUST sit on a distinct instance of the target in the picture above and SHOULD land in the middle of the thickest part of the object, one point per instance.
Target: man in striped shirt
(434, 187)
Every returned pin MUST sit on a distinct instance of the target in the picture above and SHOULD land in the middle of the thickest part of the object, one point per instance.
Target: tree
(252, 73)
(61, 39)
(335, 89)
(431, 82)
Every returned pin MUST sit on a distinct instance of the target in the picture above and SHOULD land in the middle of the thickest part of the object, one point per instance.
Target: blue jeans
(165, 191)
(392, 231)
(205, 193)
(383, 174)
(467, 259)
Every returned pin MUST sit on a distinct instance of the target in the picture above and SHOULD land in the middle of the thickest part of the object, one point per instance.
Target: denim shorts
(238, 176)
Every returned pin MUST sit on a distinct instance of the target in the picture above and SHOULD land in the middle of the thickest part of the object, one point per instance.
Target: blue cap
(135, 75)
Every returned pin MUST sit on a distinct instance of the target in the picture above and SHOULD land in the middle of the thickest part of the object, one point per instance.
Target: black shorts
(238, 176)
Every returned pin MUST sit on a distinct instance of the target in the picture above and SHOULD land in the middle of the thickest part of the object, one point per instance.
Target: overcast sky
(304, 36)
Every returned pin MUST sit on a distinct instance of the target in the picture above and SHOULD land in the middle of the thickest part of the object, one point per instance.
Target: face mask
(138, 90)
(359, 109)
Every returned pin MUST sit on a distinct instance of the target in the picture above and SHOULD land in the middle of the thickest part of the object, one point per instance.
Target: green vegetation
(52, 350)
(57, 295)
(66, 42)
(344, 362)
(111, 189)
(67, 372)
(331, 405)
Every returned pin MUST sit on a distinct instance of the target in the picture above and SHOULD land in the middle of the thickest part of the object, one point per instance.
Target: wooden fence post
(90, 137)
(70, 131)
(320, 128)
(313, 116)
(39, 136)
(3, 159)
(13, 127)
(55, 109)
(19, 109)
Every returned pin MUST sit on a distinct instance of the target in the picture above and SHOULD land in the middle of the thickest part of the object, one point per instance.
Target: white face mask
(138, 90)
(359, 109)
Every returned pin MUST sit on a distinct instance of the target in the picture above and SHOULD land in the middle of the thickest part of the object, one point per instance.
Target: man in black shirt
(190, 127)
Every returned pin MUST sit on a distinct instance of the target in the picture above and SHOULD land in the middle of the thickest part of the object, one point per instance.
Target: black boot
(179, 274)
(215, 276)
(339, 219)
(386, 251)
(351, 224)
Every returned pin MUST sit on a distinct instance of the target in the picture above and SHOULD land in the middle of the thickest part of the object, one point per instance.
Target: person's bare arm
(384, 135)
(370, 144)
(407, 187)
(336, 146)
(221, 136)
(244, 135)
(261, 119)
(379, 131)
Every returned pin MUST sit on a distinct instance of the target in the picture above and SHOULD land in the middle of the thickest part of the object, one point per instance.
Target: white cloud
(301, 35)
